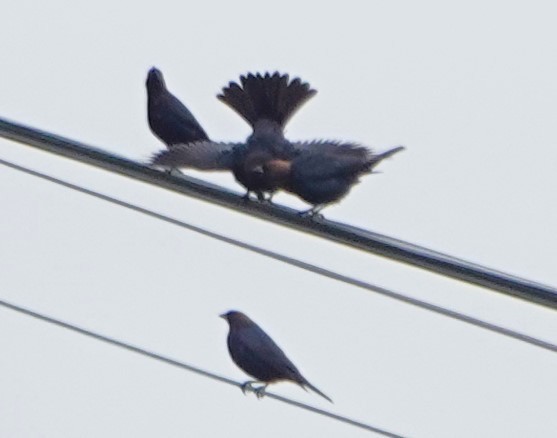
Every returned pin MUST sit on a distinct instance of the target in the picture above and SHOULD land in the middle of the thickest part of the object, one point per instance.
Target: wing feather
(201, 155)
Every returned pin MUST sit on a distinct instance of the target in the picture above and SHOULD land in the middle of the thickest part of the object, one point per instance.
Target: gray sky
(470, 90)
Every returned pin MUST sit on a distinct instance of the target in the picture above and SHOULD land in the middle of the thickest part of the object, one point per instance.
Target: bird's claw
(265, 200)
(174, 171)
(260, 197)
(247, 387)
(259, 391)
(313, 215)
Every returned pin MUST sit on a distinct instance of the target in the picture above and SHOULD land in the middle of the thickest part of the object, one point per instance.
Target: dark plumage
(266, 97)
(324, 172)
(319, 172)
(168, 118)
(266, 102)
(257, 354)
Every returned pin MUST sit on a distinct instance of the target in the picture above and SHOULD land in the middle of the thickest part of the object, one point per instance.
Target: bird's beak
(223, 316)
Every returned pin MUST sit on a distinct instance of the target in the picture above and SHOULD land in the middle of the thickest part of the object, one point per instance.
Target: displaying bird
(319, 172)
(324, 172)
(266, 102)
(258, 355)
(169, 119)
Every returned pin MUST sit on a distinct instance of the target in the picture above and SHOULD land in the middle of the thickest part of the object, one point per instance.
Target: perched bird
(266, 102)
(324, 172)
(257, 354)
(320, 172)
(168, 118)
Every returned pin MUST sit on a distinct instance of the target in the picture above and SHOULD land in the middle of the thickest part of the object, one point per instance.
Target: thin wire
(191, 368)
(300, 264)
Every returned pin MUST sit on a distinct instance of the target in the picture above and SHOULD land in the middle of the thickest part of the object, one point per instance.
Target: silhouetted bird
(320, 172)
(168, 118)
(266, 102)
(257, 354)
(324, 172)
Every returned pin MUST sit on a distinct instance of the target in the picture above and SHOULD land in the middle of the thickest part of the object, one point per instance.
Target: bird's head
(155, 80)
(236, 319)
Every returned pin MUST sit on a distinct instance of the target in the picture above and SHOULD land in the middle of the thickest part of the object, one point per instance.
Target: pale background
(470, 90)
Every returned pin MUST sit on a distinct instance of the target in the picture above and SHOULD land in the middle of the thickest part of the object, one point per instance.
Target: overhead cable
(297, 263)
(361, 239)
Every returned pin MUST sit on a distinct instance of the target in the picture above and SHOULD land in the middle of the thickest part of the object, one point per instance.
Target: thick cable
(361, 239)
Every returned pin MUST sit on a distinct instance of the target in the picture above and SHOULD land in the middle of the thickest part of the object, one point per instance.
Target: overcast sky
(470, 90)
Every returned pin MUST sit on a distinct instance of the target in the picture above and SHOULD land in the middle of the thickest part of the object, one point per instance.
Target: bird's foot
(264, 200)
(260, 197)
(267, 201)
(313, 214)
(174, 171)
(259, 391)
(247, 387)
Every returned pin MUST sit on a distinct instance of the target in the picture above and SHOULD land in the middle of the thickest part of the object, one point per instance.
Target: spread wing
(201, 155)
(322, 159)
(331, 147)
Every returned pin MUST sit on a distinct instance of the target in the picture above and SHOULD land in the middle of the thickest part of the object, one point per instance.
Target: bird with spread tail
(258, 355)
(168, 118)
(266, 102)
(320, 172)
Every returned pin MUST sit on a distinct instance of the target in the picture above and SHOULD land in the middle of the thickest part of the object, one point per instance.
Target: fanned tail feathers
(268, 96)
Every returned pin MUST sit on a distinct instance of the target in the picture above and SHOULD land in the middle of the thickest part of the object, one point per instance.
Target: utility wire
(298, 263)
(191, 368)
(354, 237)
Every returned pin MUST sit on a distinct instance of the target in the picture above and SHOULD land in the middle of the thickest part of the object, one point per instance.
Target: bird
(324, 171)
(320, 172)
(266, 102)
(168, 118)
(258, 355)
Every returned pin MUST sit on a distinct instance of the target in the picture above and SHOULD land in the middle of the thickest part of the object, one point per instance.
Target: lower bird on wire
(258, 355)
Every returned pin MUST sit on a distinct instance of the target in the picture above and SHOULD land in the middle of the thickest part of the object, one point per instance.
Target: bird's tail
(317, 391)
(269, 96)
(375, 159)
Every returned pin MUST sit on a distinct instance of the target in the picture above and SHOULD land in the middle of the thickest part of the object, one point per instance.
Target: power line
(298, 263)
(352, 236)
(190, 368)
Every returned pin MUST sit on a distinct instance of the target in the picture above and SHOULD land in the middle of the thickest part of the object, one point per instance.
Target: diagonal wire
(191, 368)
(344, 234)
(298, 263)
